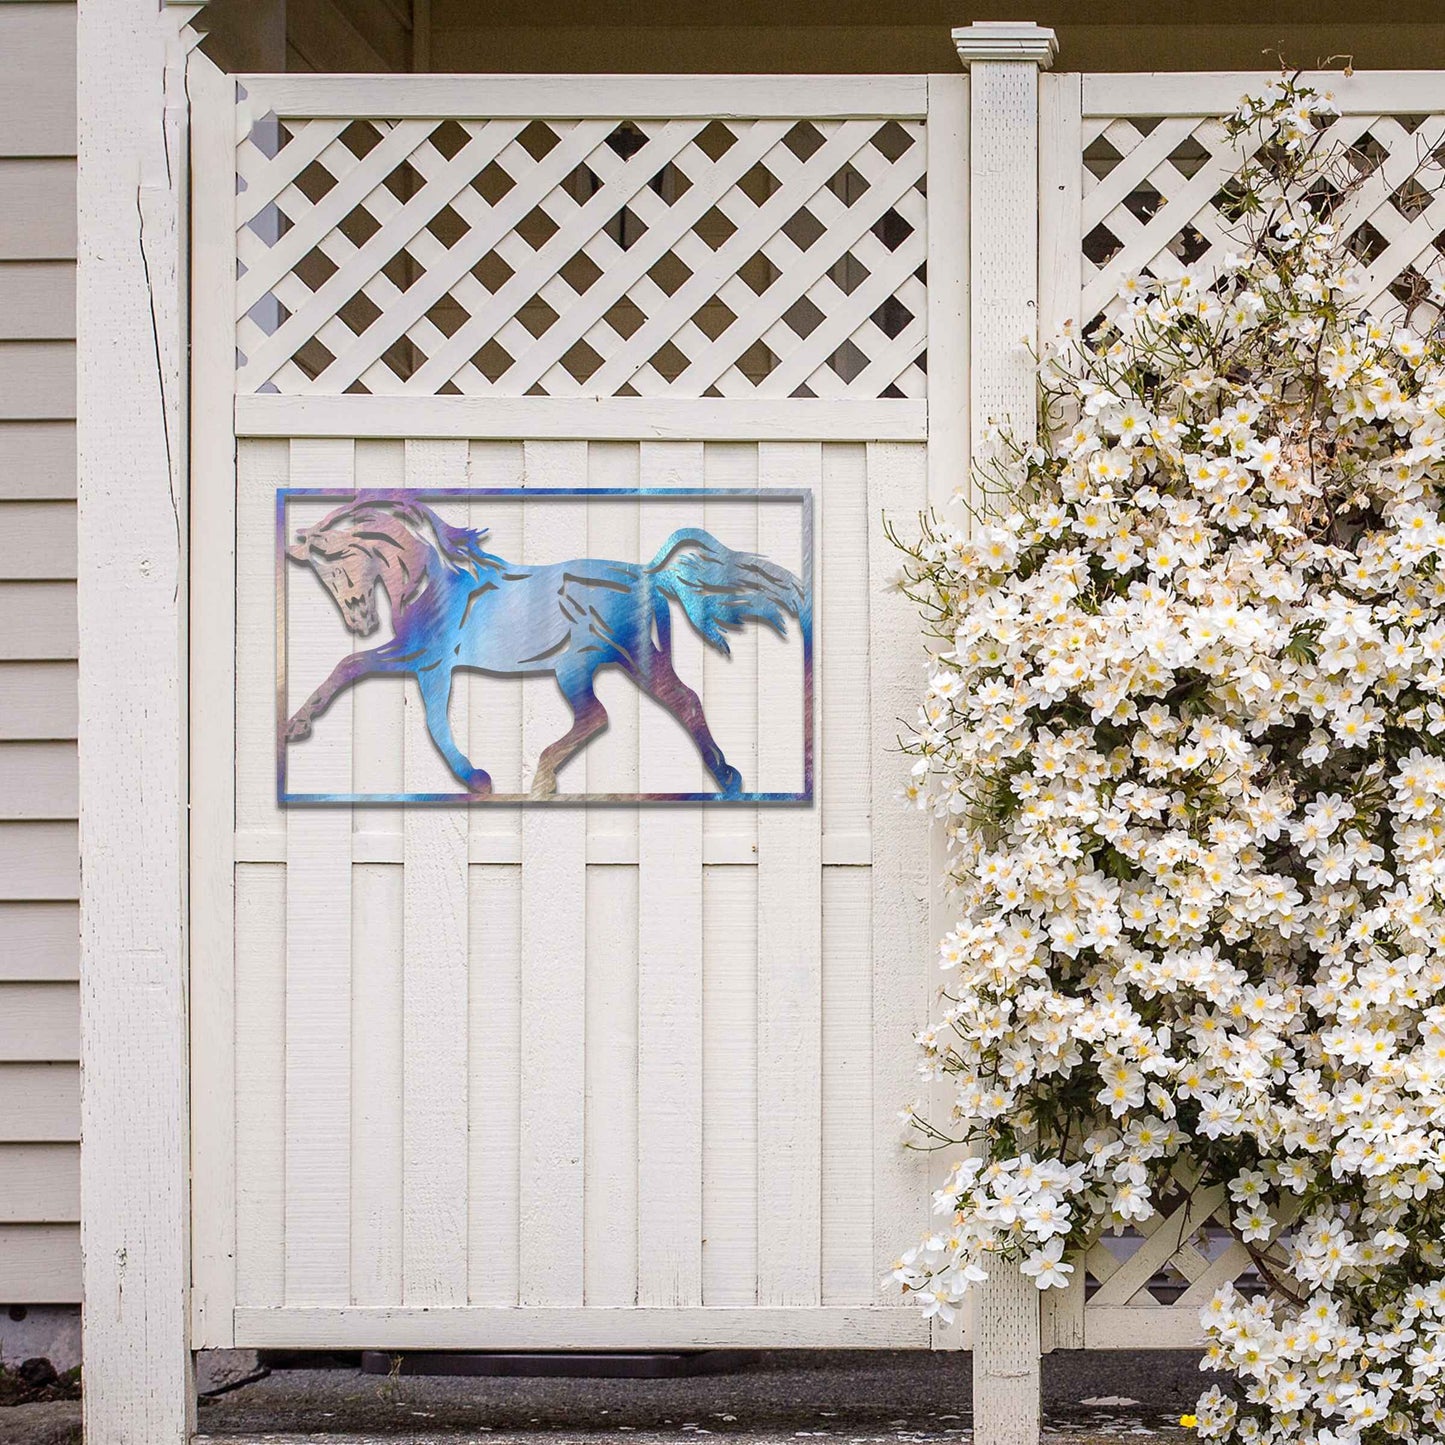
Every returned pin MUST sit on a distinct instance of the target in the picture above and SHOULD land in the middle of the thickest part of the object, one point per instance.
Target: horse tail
(720, 589)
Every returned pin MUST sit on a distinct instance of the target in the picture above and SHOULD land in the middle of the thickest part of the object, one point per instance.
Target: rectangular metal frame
(803, 498)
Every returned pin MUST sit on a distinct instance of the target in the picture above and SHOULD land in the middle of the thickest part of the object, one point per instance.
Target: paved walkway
(829, 1398)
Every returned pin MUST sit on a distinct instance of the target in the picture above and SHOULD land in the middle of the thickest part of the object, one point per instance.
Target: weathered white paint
(680, 1109)
(589, 342)
(435, 940)
(132, 489)
(790, 930)
(947, 479)
(212, 633)
(1206, 93)
(553, 957)
(319, 927)
(669, 951)
(1004, 60)
(904, 874)
(948, 287)
(863, 1327)
(615, 843)
(569, 1118)
(629, 1076)
(1061, 149)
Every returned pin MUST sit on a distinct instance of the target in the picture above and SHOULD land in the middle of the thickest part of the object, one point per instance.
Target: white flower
(1046, 1266)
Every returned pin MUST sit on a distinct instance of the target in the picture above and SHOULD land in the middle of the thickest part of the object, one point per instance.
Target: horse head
(366, 542)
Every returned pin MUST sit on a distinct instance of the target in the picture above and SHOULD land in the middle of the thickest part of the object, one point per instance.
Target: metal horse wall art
(455, 605)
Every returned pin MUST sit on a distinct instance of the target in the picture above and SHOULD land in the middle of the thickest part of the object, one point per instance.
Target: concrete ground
(780, 1398)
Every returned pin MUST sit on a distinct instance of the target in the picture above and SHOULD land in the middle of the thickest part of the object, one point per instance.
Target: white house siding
(39, 861)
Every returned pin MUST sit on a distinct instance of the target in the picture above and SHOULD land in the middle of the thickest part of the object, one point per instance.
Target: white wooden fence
(563, 1077)
(628, 1077)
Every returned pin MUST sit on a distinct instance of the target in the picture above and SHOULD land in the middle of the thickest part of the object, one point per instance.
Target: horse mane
(459, 548)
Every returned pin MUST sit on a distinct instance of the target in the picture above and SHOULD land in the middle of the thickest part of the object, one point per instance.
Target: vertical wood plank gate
(564, 1076)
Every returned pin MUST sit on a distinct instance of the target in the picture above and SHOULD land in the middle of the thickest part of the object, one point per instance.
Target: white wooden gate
(565, 1077)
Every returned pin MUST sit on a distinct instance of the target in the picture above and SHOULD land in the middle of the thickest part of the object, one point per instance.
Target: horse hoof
(299, 727)
(544, 785)
(479, 784)
(730, 782)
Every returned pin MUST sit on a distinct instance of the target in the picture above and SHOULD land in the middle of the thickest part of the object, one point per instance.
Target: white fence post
(1004, 58)
(131, 367)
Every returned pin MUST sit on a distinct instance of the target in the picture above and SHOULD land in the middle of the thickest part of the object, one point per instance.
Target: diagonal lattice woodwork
(685, 258)
(1177, 1258)
(1155, 201)
(1148, 1285)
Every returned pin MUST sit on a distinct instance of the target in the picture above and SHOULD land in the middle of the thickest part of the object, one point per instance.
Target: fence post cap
(1006, 40)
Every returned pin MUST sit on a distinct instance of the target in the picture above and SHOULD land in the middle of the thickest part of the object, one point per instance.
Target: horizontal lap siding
(40, 1263)
(39, 1184)
(37, 300)
(37, 204)
(39, 862)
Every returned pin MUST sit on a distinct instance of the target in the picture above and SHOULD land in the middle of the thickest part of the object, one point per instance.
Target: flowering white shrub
(1186, 723)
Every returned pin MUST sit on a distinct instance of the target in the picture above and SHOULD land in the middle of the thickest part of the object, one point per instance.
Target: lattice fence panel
(1177, 1259)
(683, 258)
(1148, 1285)
(1155, 201)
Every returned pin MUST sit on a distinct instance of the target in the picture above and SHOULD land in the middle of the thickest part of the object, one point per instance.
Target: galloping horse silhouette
(454, 605)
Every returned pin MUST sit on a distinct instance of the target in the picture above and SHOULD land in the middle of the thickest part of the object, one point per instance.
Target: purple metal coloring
(456, 606)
